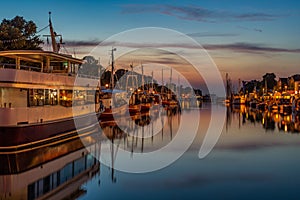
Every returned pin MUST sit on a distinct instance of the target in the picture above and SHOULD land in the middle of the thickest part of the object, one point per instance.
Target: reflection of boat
(284, 105)
(51, 172)
(296, 106)
(145, 107)
(38, 97)
(133, 109)
(238, 100)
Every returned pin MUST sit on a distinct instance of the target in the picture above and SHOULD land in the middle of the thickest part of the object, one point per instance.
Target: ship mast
(53, 35)
(112, 67)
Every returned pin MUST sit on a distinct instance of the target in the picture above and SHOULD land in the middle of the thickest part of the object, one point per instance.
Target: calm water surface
(257, 156)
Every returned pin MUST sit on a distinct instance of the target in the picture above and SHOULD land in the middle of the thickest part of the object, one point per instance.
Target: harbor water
(256, 156)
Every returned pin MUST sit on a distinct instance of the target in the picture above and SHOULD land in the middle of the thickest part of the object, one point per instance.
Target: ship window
(51, 97)
(36, 97)
(90, 97)
(65, 98)
(79, 97)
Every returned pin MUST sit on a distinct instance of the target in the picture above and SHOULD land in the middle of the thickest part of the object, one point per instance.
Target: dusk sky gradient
(244, 38)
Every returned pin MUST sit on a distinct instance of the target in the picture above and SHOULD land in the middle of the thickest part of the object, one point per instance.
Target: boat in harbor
(112, 100)
(38, 99)
(113, 103)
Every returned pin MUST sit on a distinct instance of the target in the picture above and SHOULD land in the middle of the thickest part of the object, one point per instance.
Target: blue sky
(254, 37)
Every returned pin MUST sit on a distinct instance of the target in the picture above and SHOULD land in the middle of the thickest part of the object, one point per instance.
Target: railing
(38, 69)
(22, 67)
(88, 76)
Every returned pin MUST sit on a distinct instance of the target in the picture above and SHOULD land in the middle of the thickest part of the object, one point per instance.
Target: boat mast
(53, 35)
(143, 78)
(162, 80)
(152, 81)
(170, 93)
(112, 67)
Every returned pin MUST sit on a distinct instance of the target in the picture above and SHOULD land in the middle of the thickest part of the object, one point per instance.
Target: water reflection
(240, 160)
(55, 171)
(59, 170)
(270, 121)
(144, 132)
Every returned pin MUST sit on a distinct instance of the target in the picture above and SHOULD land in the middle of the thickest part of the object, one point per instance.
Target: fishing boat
(112, 101)
(113, 104)
(38, 99)
(134, 106)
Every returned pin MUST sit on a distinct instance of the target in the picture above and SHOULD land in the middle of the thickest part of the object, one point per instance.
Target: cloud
(196, 13)
(249, 48)
(235, 47)
(82, 43)
(250, 29)
(208, 34)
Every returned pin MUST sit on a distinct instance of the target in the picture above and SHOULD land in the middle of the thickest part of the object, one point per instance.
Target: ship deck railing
(38, 69)
(22, 67)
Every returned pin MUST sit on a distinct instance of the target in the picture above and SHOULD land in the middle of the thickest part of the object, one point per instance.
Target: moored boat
(38, 97)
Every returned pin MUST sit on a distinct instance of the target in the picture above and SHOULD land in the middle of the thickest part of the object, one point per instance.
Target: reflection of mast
(152, 132)
(171, 125)
(113, 154)
(142, 148)
(162, 128)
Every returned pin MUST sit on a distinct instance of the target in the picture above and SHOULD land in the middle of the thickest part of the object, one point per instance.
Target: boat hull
(37, 134)
(109, 114)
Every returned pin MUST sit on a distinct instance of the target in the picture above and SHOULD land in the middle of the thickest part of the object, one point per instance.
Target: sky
(245, 39)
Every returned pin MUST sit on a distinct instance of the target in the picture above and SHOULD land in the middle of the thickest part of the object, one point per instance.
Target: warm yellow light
(285, 128)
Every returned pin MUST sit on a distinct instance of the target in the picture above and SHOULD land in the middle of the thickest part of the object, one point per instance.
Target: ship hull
(109, 114)
(20, 136)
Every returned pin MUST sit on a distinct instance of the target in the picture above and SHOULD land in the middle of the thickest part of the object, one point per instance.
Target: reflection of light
(285, 128)
(263, 120)
(64, 98)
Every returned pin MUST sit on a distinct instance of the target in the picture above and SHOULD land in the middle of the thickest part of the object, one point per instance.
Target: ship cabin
(37, 86)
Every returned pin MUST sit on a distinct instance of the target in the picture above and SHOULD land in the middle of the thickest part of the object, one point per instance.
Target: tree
(269, 80)
(91, 67)
(17, 34)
